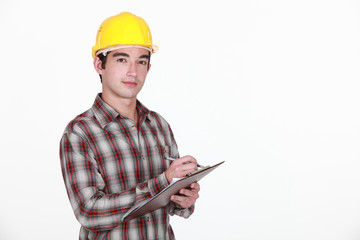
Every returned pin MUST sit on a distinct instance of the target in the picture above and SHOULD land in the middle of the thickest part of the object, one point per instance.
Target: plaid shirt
(110, 166)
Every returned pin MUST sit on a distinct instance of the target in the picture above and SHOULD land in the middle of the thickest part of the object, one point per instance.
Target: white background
(271, 87)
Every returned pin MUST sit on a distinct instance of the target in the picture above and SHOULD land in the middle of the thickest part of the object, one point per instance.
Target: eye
(121, 60)
(142, 62)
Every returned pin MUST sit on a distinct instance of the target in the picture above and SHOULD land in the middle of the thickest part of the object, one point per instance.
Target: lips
(130, 83)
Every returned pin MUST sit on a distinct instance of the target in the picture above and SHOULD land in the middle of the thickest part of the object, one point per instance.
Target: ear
(97, 65)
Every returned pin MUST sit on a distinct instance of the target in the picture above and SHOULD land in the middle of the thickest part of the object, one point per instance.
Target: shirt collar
(105, 114)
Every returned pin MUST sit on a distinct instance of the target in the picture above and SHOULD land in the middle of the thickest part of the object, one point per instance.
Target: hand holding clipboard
(162, 199)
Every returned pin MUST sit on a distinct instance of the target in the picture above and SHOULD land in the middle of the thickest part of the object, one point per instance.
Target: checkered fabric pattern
(110, 166)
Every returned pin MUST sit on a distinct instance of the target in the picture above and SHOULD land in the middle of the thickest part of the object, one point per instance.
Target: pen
(173, 159)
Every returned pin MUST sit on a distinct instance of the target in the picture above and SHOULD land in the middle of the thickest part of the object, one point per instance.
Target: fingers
(179, 171)
(186, 159)
(189, 193)
(195, 186)
(183, 201)
(187, 197)
(186, 164)
(181, 167)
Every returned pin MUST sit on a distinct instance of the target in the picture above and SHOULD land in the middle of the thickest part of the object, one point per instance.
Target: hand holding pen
(173, 159)
(180, 167)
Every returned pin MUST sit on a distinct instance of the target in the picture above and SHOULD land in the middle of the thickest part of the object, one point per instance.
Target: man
(113, 156)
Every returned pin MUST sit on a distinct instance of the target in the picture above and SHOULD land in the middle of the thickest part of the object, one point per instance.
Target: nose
(132, 70)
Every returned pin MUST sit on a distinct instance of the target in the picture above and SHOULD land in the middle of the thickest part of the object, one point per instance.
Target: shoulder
(81, 123)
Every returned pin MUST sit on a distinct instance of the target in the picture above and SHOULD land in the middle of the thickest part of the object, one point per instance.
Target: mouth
(130, 83)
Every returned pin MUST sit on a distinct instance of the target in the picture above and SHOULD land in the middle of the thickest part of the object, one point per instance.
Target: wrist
(157, 184)
(168, 177)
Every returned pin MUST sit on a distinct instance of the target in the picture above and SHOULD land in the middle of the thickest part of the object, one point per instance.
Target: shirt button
(142, 156)
(148, 219)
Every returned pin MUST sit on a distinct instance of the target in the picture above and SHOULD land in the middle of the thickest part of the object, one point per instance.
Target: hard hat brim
(152, 49)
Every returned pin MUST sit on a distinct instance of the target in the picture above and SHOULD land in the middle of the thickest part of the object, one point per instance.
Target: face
(124, 74)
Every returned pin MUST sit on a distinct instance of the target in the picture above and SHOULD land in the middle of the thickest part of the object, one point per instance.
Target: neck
(126, 107)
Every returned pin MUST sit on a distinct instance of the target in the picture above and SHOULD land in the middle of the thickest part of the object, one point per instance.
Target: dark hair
(103, 59)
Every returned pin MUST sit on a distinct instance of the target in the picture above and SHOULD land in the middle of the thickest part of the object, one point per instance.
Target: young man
(113, 156)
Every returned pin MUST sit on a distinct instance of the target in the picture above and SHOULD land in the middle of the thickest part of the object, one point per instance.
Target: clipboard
(162, 199)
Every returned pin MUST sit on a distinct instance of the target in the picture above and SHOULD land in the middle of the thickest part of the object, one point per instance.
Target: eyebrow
(127, 55)
(145, 56)
(121, 54)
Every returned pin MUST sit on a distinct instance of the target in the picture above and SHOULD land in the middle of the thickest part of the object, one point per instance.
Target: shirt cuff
(182, 212)
(157, 184)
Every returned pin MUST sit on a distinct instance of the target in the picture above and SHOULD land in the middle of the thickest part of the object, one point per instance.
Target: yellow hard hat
(123, 30)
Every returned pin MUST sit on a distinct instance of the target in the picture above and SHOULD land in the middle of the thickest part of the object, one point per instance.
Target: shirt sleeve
(185, 213)
(93, 208)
